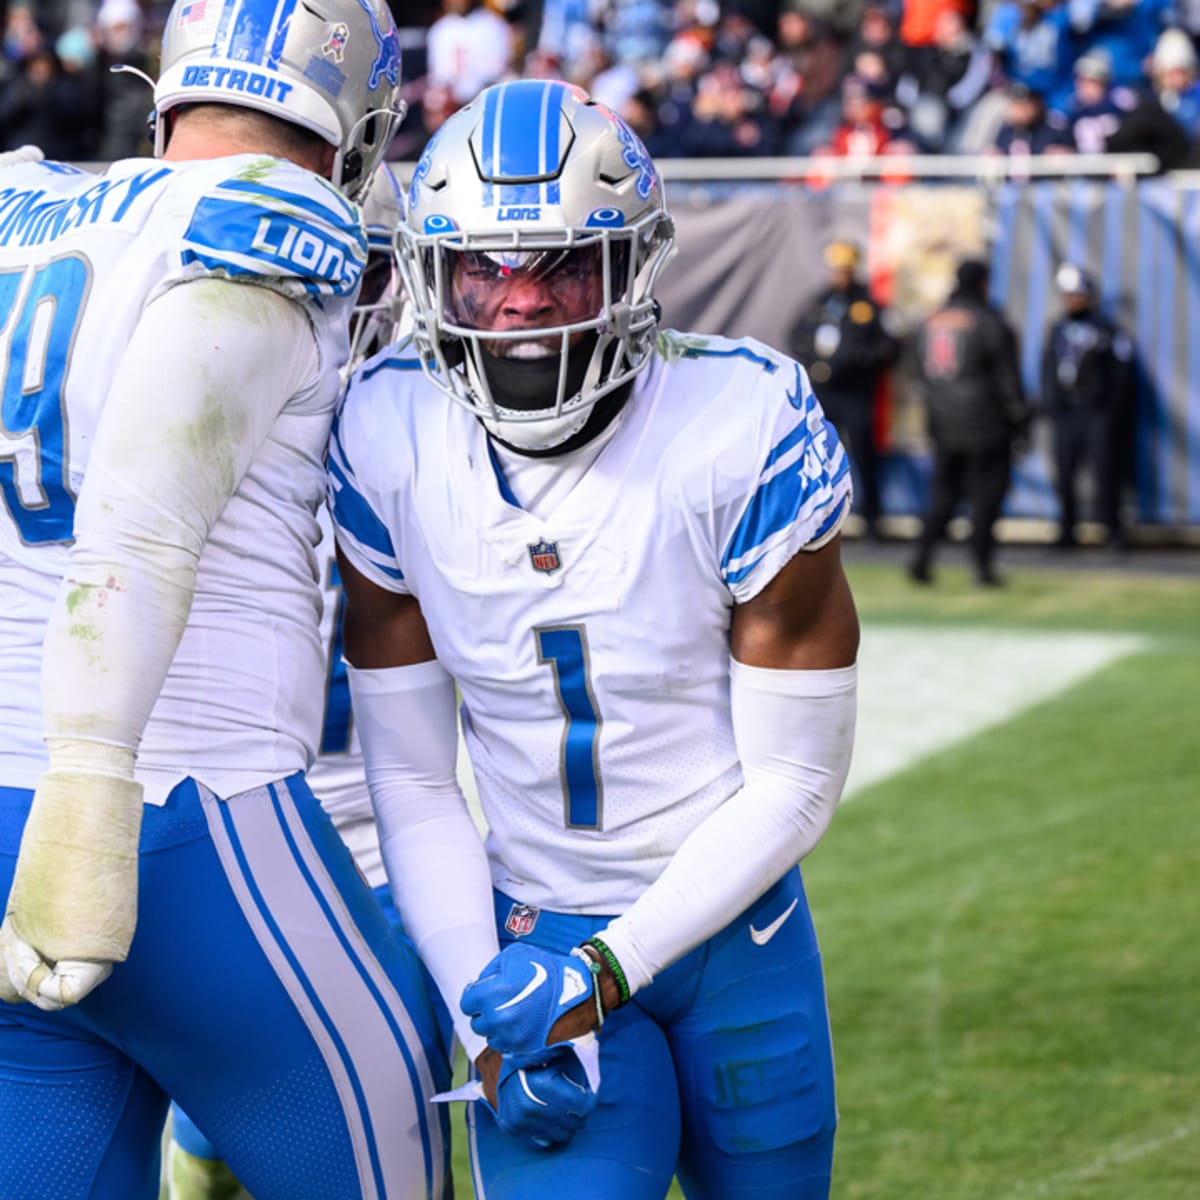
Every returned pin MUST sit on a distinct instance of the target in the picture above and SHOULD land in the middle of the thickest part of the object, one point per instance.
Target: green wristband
(610, 960)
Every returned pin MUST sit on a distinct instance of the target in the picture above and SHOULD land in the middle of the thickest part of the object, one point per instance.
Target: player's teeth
(529, 350)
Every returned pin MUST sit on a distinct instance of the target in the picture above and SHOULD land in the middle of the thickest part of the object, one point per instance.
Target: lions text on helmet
(531, 270)
(331, 66)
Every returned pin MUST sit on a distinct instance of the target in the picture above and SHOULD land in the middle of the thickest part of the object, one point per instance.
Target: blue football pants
(264, 991)
(185, 1132)
(721, 1072)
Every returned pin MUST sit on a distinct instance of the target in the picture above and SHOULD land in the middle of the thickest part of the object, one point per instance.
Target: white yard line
(922, 690)
(1123, 1153)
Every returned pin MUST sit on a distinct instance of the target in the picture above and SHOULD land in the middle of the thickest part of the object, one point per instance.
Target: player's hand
(520, 995)
(73, 905)
(546, 1103)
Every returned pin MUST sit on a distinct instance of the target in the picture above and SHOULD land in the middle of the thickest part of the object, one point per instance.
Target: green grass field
(1011, 926)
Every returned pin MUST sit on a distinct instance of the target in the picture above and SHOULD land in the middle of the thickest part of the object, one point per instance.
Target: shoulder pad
(276, 222)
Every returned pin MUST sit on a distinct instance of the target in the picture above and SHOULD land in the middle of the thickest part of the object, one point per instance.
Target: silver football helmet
(332, 66)
(377, 316)
(535, 233)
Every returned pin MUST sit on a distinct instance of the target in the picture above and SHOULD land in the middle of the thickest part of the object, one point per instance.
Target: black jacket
(1087, 364)
(968, 369)
(840, 341)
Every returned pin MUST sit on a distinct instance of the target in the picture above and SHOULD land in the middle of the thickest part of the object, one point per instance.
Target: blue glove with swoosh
(521, 993)
(547, 1103)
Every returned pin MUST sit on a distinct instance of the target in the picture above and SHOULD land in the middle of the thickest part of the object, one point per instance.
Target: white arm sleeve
(794, 732)
(206, 372)
(436, 864)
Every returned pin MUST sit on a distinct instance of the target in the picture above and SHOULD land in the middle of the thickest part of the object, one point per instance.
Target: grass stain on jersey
(259, 170)
(672, 346)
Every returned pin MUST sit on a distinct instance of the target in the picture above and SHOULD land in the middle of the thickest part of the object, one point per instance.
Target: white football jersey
(338, 777)
(81, 256)
(591, 645)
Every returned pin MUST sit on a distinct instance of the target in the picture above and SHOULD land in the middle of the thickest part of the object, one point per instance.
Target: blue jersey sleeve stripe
(241, 233)
(353, 513)
(733, 578)
(782, 500)
(786, 444)
(227, 224)
(774, 506)
(343, 217)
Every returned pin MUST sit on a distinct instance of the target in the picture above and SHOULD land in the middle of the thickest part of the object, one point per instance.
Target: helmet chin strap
(523, 385)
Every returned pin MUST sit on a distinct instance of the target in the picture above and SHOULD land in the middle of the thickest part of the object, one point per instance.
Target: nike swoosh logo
(539, 977)
(760, 937)
(794, 398)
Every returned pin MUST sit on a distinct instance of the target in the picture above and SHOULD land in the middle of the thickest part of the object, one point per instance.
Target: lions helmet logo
(387, 61)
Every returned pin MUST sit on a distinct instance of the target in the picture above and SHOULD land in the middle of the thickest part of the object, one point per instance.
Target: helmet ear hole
(352, 166)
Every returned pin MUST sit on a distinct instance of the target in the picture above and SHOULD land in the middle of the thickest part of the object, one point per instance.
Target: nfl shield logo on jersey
(544, 556)
(521, 919)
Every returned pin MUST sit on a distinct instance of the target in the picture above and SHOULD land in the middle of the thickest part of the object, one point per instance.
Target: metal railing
(980, 168)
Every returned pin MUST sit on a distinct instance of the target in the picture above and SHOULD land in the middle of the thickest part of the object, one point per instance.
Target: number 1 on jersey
(565, 649)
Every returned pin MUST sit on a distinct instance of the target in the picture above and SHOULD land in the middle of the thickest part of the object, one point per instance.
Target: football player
(182, 918)
(194, 1170)
(622, 544)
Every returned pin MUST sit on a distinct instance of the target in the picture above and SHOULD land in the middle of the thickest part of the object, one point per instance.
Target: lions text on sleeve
(81, 256)
(591, 644)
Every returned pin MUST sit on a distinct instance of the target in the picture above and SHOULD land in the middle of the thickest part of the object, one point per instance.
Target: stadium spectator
(22, 33)
(1173, 75)
(1032, 41)
(842, 341)
(967, 368)
(637, 31)
(76, 52)
(1164, 115)
(1125, 30)
(1092, 112)
(869, 126)
(942, 80)
(1028, 129)
(126, 102)
(877, 35)
(808, 96)
(1087, 389)
(41, 107)
(469, 46)
(729, 118)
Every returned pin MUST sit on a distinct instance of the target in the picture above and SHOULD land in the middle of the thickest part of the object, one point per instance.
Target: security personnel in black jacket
(1087, 377)
(968, 370)
(840, 340)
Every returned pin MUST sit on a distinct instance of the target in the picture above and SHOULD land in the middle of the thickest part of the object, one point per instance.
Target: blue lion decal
(387, 61)
(637, 158)
(422, 169)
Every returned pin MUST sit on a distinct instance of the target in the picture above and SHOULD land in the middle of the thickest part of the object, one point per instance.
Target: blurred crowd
(702, 78)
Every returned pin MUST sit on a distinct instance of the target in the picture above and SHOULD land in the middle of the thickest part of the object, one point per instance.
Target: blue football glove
(521, 993)
(547, 1103)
